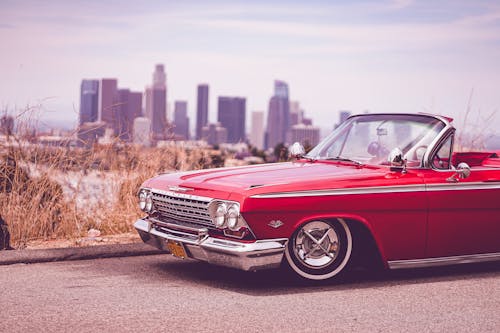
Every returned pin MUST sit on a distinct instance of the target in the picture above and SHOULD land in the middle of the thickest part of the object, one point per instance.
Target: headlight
(232, 217)
(149, 203)
(142, 200)
(220, 215)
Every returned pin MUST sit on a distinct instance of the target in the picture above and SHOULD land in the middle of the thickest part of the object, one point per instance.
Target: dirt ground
(126, 238)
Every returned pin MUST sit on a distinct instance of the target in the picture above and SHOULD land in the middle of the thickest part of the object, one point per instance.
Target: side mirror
(462, 172)
(396, 160)
(296, 150)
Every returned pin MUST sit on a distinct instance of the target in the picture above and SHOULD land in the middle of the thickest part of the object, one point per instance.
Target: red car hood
(267, 177)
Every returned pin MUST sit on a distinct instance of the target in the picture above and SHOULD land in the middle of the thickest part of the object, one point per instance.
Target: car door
(464, 213)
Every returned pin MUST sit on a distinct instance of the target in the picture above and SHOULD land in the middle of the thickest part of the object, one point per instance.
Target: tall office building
(296, 113)
(159, 76)
(134, 110)
(307, 135)
(121, 116)
(89, 99)
(278, 117)
(201, 109)
(181, 120)
(148, 103)
(135, 102)
(257, 132)
(214, 134)
(107, 94)
(128, 106)
(231, 113)
(156, 103)
(343, 115)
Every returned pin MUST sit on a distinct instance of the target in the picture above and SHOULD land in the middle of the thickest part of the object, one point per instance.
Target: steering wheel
(437, 161)
(377, 150)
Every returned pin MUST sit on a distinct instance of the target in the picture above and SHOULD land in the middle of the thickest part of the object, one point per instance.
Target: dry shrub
(33, 207)
(38, 202)
(50, 192)
(476, 129)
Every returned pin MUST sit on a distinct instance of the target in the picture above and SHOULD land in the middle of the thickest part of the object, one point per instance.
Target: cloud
(484, 19)
(400, 4)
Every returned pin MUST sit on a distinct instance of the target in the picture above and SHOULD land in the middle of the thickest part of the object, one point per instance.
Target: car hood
(267, 177)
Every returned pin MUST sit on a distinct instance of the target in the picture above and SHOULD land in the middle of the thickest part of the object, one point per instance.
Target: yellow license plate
(176, 249)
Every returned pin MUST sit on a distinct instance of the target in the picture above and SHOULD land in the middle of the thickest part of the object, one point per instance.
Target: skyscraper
(135, 102)
(257, 132)
(201, 109)
(296, 113)
(278, 117)
(343, 115)
(122, 115)
(307, 135)
(231, 113)
(214, 134)
(148, 103)
(127, 107)
(280, 89)
(89, 98)
(181, 120)
(156, 103)
(107, 93)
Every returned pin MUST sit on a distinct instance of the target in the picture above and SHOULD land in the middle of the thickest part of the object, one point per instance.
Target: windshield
(368, 139)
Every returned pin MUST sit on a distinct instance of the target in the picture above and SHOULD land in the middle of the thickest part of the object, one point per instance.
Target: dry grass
(476, 128)
(42, 189)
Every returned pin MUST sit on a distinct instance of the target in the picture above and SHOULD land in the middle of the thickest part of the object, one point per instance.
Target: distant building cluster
(107, 111)
(130, 116)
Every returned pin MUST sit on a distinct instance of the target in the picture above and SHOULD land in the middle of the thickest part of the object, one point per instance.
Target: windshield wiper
(342, 159)
(309, 158)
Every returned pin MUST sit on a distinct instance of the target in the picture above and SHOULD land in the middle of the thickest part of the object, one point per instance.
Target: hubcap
(316, 244)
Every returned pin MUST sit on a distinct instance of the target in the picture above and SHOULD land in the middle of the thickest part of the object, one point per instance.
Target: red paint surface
(406, 225)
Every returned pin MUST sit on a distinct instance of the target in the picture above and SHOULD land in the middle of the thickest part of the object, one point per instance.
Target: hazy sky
(381, 56)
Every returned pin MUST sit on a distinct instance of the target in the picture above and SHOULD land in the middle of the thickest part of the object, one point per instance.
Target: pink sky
(381, 56)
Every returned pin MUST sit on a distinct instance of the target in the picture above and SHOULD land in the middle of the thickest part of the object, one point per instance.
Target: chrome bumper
(261, 254)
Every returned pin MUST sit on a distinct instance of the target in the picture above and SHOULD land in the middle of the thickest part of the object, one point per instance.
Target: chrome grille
(181, 208)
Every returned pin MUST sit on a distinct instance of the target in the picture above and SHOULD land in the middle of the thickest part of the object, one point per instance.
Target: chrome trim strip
(443, 261)
(463, 186)
(383, 189)
(197, 234)
(344, 191)
(182, 195)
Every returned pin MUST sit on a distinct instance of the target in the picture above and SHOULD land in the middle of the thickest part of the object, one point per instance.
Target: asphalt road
(163, 294)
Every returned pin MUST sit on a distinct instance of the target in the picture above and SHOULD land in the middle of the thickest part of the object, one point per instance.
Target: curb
(76, 253)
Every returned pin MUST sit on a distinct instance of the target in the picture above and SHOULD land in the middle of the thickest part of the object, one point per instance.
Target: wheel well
(365, 251)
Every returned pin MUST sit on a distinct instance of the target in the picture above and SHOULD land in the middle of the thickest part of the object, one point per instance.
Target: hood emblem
(179, 189)
(275, 224)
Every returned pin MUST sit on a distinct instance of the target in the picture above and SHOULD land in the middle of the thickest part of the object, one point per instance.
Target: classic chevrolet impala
(381, 187)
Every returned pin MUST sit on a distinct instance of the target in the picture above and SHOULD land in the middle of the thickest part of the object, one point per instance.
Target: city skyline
(104, 103)
(385, 56)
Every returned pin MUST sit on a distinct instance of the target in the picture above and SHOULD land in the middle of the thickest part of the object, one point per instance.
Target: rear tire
(320, 250)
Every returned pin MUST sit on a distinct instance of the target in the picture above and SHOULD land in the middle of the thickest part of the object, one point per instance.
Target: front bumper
(261, 254)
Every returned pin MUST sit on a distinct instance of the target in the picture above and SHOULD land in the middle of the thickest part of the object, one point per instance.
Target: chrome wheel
(319, 250)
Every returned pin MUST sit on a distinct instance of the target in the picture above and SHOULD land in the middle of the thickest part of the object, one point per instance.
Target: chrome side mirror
(296, 150)
(396, 160)
(462, 172)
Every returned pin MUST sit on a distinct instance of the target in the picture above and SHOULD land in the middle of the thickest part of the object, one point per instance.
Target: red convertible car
(381, 187)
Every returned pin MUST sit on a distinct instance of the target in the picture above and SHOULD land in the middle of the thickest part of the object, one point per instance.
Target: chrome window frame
(443, 135)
